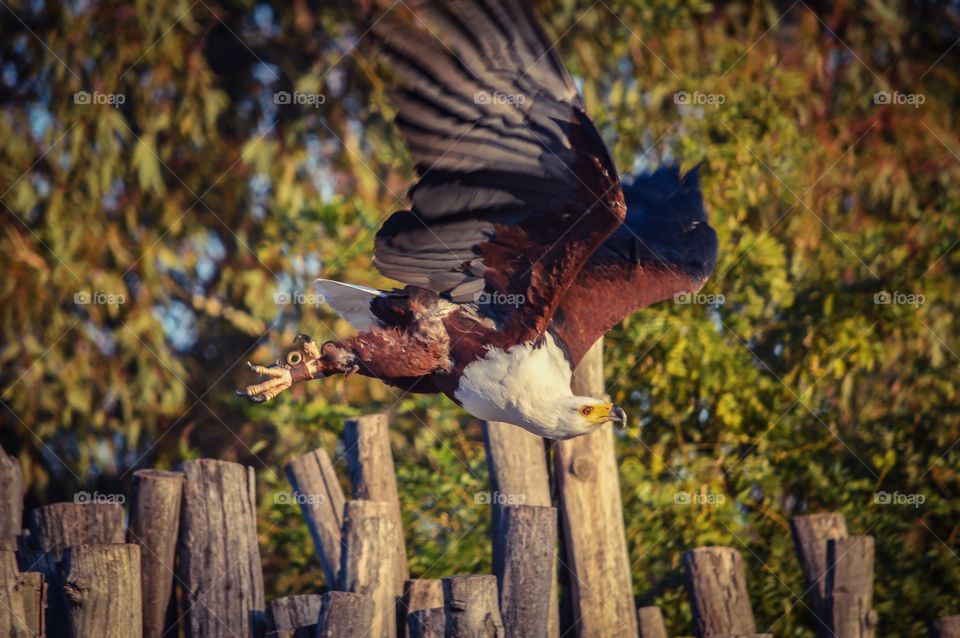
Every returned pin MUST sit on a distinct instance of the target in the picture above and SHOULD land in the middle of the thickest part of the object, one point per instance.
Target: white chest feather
(521, 385)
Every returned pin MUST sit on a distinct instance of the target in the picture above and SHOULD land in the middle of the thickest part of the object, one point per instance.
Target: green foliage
(198, 199)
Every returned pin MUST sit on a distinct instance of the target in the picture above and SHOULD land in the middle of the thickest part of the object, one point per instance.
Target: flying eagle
(521, 246)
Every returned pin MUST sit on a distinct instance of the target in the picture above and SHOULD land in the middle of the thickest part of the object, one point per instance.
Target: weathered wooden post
(592, 517)
(368, 562)
(154, 526)
(946, 627)
(524, 568)
(345, 614)
(418, 594)
(717, 587)
(810, 536)
(219, 554)
(13, 617)
(471, 608)
(650, 621)
(850, 587)
(517, 463)
(102, 587)
(427, 623)
(56, 527)
(316, 489)
(373, 477)
(294, 612)
(33, 590)
(11, 501)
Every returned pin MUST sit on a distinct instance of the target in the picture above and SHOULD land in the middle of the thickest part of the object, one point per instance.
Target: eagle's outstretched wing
(664, 247)
(516, 187)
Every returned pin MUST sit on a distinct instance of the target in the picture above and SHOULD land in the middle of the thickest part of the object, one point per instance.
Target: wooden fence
(188, 561)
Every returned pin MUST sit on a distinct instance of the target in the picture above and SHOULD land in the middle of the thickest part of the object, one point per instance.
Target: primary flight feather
(521, 247)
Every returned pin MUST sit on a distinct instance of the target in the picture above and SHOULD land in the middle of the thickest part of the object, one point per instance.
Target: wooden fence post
(810, 536)
(368, 560)
(56, 527)
(33, 590)
(102, 587)
(717, 587)
(373, 477)
(317, 490)
(850, 587)
(471, 607)
(219, 553)
(946, 627)
(11, 501)
(524, 568)
(154, 526)
(517, 463)
(592, 517)
(419, 593)
(427, 623)
(294, 612)
(345, 614)
(651, 624)
(13, 617)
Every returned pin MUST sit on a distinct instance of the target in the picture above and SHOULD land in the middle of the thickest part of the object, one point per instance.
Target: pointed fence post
(471, 608)
(102, 587)
(368, 560)
(850, 587)
(524, 568)
(717, 586)
(810, 536)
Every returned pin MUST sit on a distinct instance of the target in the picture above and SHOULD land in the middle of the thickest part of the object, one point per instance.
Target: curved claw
(278, 380)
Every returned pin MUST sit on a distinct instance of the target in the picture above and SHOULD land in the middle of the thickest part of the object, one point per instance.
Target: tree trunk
(291, 612)
(56, 527)
(316, 489)
(13, 617)
(345, 614)
(850, 587)
(368, 561)
(524, 568)
(946, 627)
(517, 462)
(102, 587)
(11, 501)
(471, 608)
(651, 624)
(427, 623)
(592, 516)
(810, 536)
(419, 593)
(154, 525)
(373, 477)
(219, 554)
(717, 586)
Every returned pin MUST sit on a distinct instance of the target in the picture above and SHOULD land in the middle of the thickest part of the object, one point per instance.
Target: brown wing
(664, 247)
(516, 186)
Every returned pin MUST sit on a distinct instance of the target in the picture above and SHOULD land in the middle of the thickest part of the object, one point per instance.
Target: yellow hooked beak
(604, 413)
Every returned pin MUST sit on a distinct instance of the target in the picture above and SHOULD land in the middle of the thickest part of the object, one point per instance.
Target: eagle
(520, 246)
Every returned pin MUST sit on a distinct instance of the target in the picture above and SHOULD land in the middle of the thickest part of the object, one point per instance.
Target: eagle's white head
(581, 415)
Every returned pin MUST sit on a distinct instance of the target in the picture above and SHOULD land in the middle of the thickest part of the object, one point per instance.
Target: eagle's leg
(305, 362)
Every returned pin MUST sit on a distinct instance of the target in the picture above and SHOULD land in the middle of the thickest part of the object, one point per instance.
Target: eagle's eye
(294, 357)
(586, 410)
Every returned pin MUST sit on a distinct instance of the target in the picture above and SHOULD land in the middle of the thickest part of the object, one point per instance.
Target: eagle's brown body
(521, 247)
